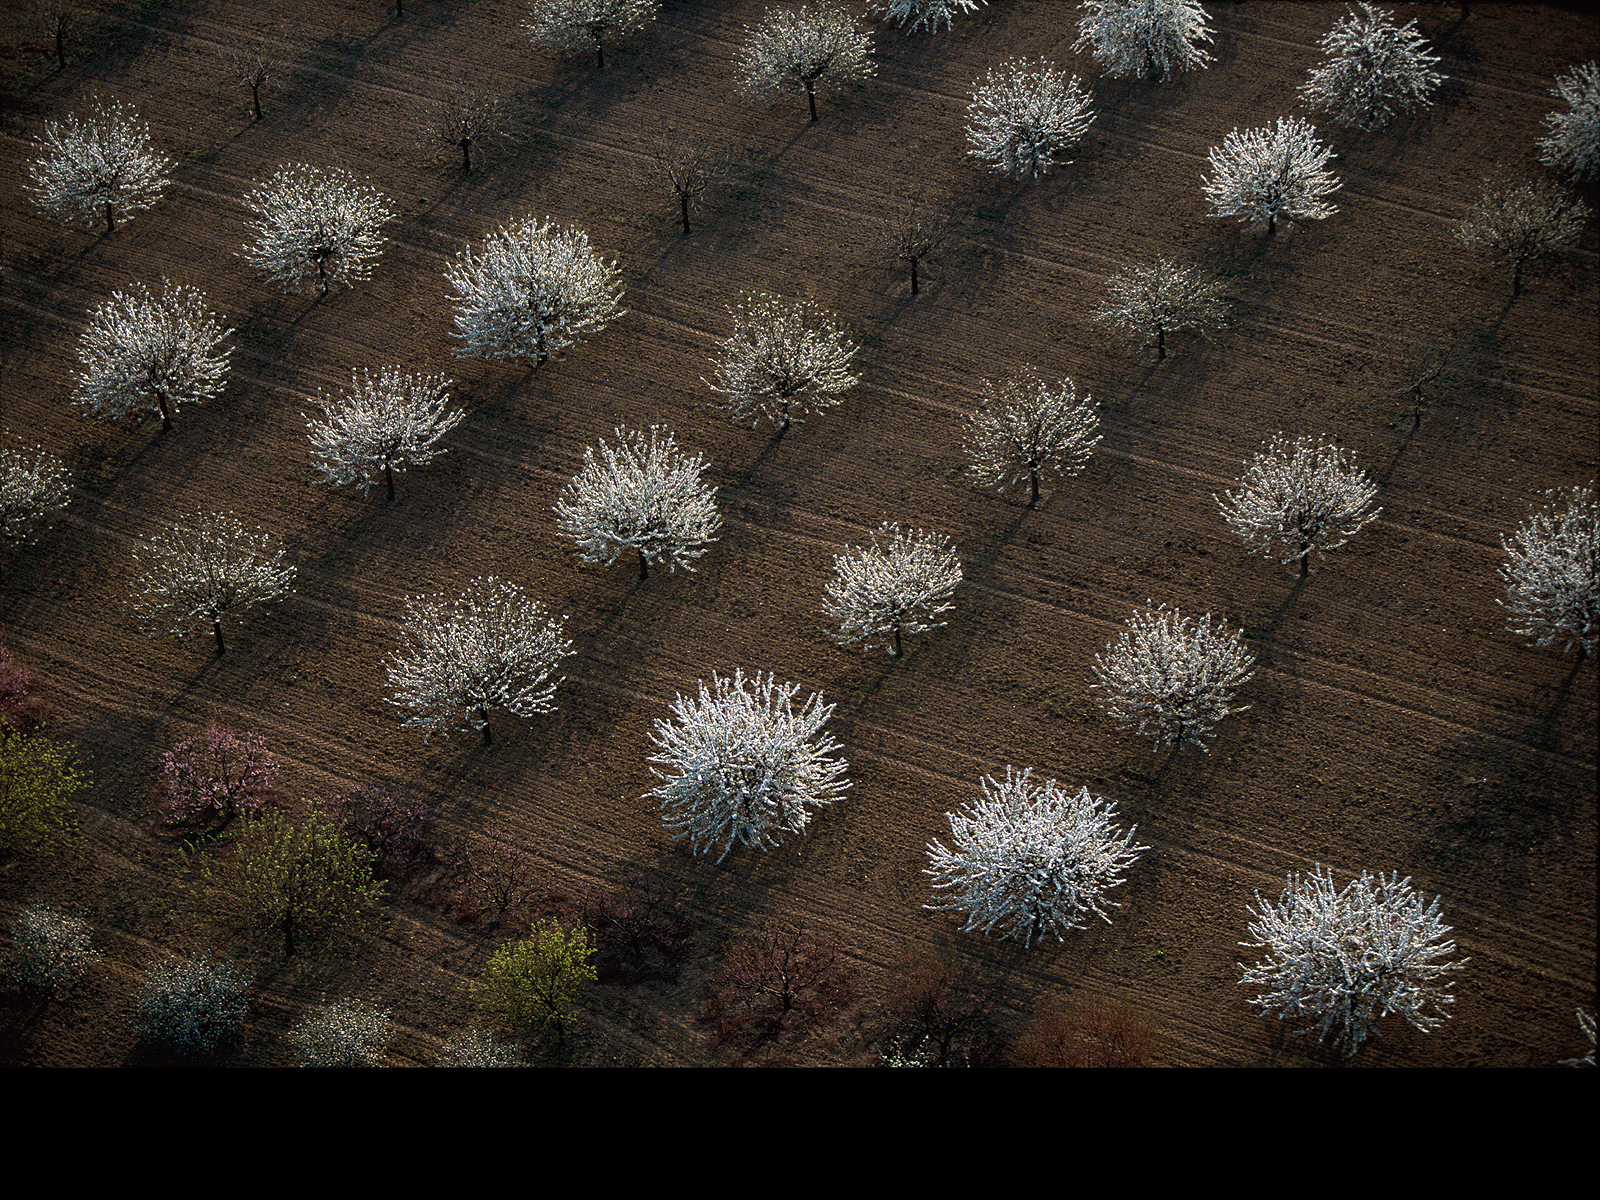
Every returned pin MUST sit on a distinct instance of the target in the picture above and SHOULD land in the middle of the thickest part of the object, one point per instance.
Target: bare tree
(688, 167)
(1031, 859)
(250, 65)
(899, 584)
(1146, 38)
(393, 421)
(645, 495)
(33, 487)
(99, 166)
(1346, 958)
(1573, 143)
(312, 223)
(142, 355)
(1373, 68)
(1151, 300)
(1026, 427)
(923, 14)
(782, 361)
(62, 22)
(800, 50)
(532, 292)
(462, 116)
(1170, 677)
(460, 659)
(1552, 572)
(1023, 119)
(1426, 376)
(917, 226)
(574, 24)
(206, 570)
(1262, 173)
(742, 766)
(1522, 220)
(1300, 496)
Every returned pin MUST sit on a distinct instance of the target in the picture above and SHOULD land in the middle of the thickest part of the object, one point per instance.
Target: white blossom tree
(579, 24)
(1153, 299)
(492, 647)
(205, 569)
(899, 584)
(1170, 677)
(1586, 1027)
(535, 290)
(1522, 220)
(922, 14)
(643, 494)
(800, 50)
(33, 487)
(1373, 69)
(1300, 496)
(382, 424)
(782, 361)
(1022, 119)
(142, 355)
(1031, 859)
(1552, 572)
(742, 766)
(462, 118)
(1144, 38)
(315, 224)
(99, 167)
(1573, 143)
(1025, 428)
(1347, 958)
(1261, 174)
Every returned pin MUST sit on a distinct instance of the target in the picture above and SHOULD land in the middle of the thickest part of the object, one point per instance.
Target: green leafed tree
(37, 776)
(532, 984)
(297, 877)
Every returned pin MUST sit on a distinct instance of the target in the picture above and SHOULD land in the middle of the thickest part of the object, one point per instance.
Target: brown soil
(1395, 724)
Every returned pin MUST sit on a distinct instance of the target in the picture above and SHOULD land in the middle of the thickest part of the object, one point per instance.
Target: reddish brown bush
(639, 931)
(780, 980)
(20, 709)
(389, 825)
(1093, 1033)
(213, 777)
(934, 1016)
(500, 870)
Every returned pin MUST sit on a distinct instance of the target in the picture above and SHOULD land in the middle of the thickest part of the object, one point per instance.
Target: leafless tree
(462, 116)
(916, 227)
(250, 65)
(687, 166)
(62, 22)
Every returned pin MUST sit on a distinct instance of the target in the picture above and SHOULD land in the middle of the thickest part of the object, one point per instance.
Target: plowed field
(1394, 724)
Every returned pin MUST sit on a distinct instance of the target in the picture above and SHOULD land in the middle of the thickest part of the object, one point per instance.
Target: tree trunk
(111, 221)
(488, 734)
(166, 416)
(1516, 279)
(1033, 498)
(541, 354)
(600, 53)
(1272, 223)
(1305, 564)
(388, 476)
(61, 45)
(255, 97)
(1161, 342)
(216, 628)
(895, 653)
(644, 567)
(913, 276)
(466, 156)
(288, 934)
(322, 274)
(811, 97)
(683, 204)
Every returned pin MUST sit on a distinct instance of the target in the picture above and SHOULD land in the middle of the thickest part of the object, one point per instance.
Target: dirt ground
(1394, 724)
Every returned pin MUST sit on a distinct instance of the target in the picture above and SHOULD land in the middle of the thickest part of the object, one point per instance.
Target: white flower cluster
(898, 585)
(382, 424)
(346, 1033)
(782, 361)
(1552, 572)
(1263, 173)
(99, 167)
(1374, 69)
(1300, 496)
(1137, 38)
(1023, 118)
(315, 224)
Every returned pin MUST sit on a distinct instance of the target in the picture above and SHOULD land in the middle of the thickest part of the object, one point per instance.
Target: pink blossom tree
(215, 776)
